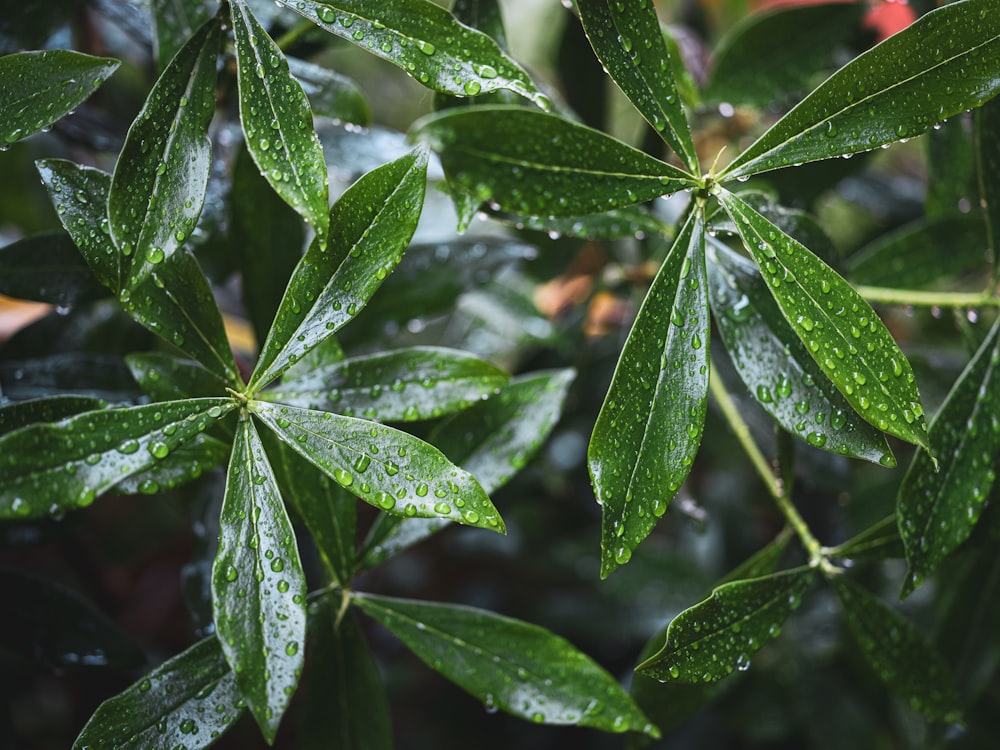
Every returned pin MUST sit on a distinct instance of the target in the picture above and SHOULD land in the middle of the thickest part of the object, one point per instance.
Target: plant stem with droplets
(927, 299)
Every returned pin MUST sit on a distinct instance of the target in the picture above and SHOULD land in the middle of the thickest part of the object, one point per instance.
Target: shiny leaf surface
(47, 268)
(196, 457)
(19, 414)
(331, 94)
(167, 378)
(173, 22)
(987, 155)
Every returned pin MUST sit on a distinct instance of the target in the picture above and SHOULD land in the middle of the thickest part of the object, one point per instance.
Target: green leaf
(630, 45)
(651, 423)
(277, 122)
(708, 641)
(167, 378)
(47, 469)
(776, 367)
(161, 177)
(422, 382)
(19, 414)
(879, 541)
(258, 587)
(508, 664)
(484, 16)
(951, 168)
(631, 221)
(38, 88)
(183, 465)
(390, 469)
(102, 376)
(188, 700)
(424, 40)
(47, 268)
(527, 162)
(987, 154)
(331, 94)
(371, 225)
(939, 506)
(901, 656)
(839, 329)
(941, 65)
(173, 22)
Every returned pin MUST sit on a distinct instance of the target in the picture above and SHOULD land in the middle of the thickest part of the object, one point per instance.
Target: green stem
(294, 34)
(927, 299)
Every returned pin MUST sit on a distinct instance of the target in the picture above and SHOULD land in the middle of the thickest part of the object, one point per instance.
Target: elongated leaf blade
(331, 94)
(390, 469)
(839, 329)
(987, 156)
(19, 414)
(277, 122)
(628, 41)
(258, 587)
(708, 641)
(167, 378)
(879, 541)
(189, 700)
(38, 88)
(187, 463)
(510, 665)
(174, 21)
(47, 268)
(425, 41)
(943, 64)
(527, 162)
(651, 423)
(372, 224)
(631, 221)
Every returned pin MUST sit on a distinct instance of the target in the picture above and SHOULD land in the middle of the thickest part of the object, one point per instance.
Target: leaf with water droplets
(529, 162)
(651, 423)
(188, 701)
(38, 88)
(619, 223)
(187, 463)
(174, 21)
(47, 469)
(278, 122)
(258, 587)
(166, 378)
(47, 268)
(987, 156)
(331, 94)
(390, 469)
(17, 414)
(839, 329)
(902, 657)
(776, 367)
(938, 506)
(628, 41)
(510, 665)
(370, 226)
(708, 641)
(941, 65)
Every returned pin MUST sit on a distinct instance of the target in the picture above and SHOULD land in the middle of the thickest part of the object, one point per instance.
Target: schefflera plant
(289, 434)
(810, 349)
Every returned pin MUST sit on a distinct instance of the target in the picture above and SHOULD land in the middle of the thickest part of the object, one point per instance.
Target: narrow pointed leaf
(881, 541)
(371, 225)
(38, 88)
(47, 469)
(424, 40)
(651, 423)
(987, 155)
(628, 41)
(902, 657)
(277, 122)
(187, 463)
(19, 414)
(527, 162)
(331, 94)
(708, 641)
(776, 367)
(102, 376)
(189, 700)
(631, 221)
(161, 177)
(484, 16)
(258, 587)
(390, 469)
(166, 378)
(943, 64)
(510, 665)
(939, 507)
(951, 167)
(47, 268)
(174, 21)
(839, 329)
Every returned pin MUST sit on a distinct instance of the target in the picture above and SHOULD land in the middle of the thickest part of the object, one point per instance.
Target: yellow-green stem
(918, 298)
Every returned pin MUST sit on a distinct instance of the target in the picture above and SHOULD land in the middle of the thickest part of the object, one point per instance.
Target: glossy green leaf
(160, 180)
(708, 641)
(19, 414)
(258, 587)
(628, 42)
(422, 382)
(987, 155)
(483, 15)
(651, 423)
(167, 378)
(47, 268)
(174, 21)
(839, 329)
(776, 367)
(527, 162)
(939, 66)
(424, 40)
(331, 94)
(390, 469)
(100, 376)
(38, 88)
(631, 221)
(277, 122)
(371, 225)
(901, 656)
(189, 701)
(880, 541)
(951, 168)
(510, 665)
(47, 469)
(939, 506)
(187, 463)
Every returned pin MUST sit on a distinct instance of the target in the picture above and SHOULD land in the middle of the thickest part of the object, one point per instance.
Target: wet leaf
(100, 376)
(188, 700)
(19, 414)
(987, 154)
(839, 329)
(509, 665)
(631, 221)
(651, 423)
(174, 21)
(187, 463)
(277, 122)
(484, 16)
(708, 641)
(47, 268)
(951, 168)
(37, 88)
(258, 587)
(331, 94)
(880, 541)
(167, 378)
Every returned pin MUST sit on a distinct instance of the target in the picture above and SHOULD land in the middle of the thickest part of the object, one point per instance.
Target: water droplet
(154, 255)
(426, 47)
(472, 87)
(344, 478)
(326, 14)
(159, 449)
